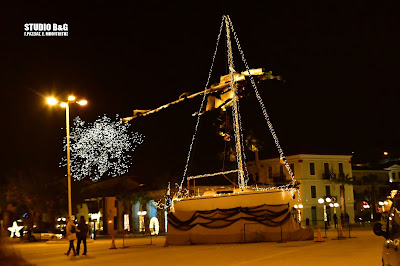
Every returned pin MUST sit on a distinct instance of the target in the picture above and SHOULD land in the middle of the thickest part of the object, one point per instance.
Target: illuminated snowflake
(101, 148)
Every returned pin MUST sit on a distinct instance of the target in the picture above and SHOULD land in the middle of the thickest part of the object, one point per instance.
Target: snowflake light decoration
(100, 148)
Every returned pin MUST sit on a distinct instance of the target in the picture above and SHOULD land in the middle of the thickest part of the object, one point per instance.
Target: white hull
(248, 198)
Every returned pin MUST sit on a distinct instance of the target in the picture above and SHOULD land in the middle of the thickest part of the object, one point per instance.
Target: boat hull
(234, 200)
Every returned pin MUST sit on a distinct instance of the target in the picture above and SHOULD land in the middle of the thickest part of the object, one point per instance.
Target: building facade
(316, 175)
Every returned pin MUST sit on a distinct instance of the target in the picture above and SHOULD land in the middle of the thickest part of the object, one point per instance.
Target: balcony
(328, 176)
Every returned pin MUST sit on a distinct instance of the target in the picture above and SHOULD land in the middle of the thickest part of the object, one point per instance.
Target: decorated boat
(239, 213)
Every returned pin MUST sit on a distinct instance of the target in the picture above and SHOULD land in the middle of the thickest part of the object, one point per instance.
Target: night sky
(340, 63)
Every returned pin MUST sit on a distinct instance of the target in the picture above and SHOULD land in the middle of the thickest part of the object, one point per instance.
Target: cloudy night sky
(340, 63)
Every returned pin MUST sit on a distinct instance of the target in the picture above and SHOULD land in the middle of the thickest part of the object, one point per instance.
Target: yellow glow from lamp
(71, 98)
(301, 206)
(321, 200)
(51, 101)
(82, 102)
(63, 105)
(328, 199)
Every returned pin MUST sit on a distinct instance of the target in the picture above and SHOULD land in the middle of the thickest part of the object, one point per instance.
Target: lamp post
(298, 208)
(54, 101)
(331, 202)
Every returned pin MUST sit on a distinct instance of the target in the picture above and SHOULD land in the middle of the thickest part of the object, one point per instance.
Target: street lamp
(322, 201)
(331, 202)
(298, 208)
(54, 101)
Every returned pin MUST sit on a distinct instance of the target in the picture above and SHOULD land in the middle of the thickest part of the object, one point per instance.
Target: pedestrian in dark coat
(82, 232)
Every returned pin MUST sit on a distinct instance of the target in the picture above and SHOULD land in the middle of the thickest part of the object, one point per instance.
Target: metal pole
(349, 230)
(68, 162)
(325, 220)
(338, 231)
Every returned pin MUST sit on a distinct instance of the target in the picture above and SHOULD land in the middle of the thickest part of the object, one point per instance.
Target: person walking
(71, 235)
(335, 219)
(82, 232)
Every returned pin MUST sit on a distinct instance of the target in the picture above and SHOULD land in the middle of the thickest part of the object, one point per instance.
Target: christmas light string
(266, 116)
(235, 110)
(200, 109)
(214, 174)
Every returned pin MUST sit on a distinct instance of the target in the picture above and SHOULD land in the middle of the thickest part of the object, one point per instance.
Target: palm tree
(254, 144)
(343, 180)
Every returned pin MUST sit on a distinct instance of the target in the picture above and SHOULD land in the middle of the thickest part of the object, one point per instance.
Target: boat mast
(233, 87)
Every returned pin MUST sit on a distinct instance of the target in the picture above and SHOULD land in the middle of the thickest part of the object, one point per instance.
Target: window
(393, 175)
(312, 169)
(292, 167)
(341, 168)
(281, 170)
(270, 171)
(326, 168)
(116, 204)
(328, 191)
(399, 174)
(313, 192)
(314, 215)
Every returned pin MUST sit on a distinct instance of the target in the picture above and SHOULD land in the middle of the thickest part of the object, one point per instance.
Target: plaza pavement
(363, 249)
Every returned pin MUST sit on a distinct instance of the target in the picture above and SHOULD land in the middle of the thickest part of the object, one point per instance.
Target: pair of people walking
(74, 232)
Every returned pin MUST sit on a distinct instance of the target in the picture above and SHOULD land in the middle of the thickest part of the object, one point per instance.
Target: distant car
(37, 234)
(390, 230)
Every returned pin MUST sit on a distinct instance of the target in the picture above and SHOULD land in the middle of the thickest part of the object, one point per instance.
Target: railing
(328, 176)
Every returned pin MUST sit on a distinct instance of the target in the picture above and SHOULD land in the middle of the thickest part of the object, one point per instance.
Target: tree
(101, 148)
(254, 144)
(372, 181)
(33, 193)
(343, 180)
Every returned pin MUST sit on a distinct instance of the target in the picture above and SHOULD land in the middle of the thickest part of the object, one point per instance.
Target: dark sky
(340, 63)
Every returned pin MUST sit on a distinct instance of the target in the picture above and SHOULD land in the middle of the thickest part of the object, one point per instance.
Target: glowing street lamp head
(321, 200)
(63, 104)
(82, 102)
(328, 199)
(51, 101)
(71, 98)
(385, 153)
(335, 204)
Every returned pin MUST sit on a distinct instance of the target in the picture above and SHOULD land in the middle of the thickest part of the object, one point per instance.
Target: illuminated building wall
(314, 172)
